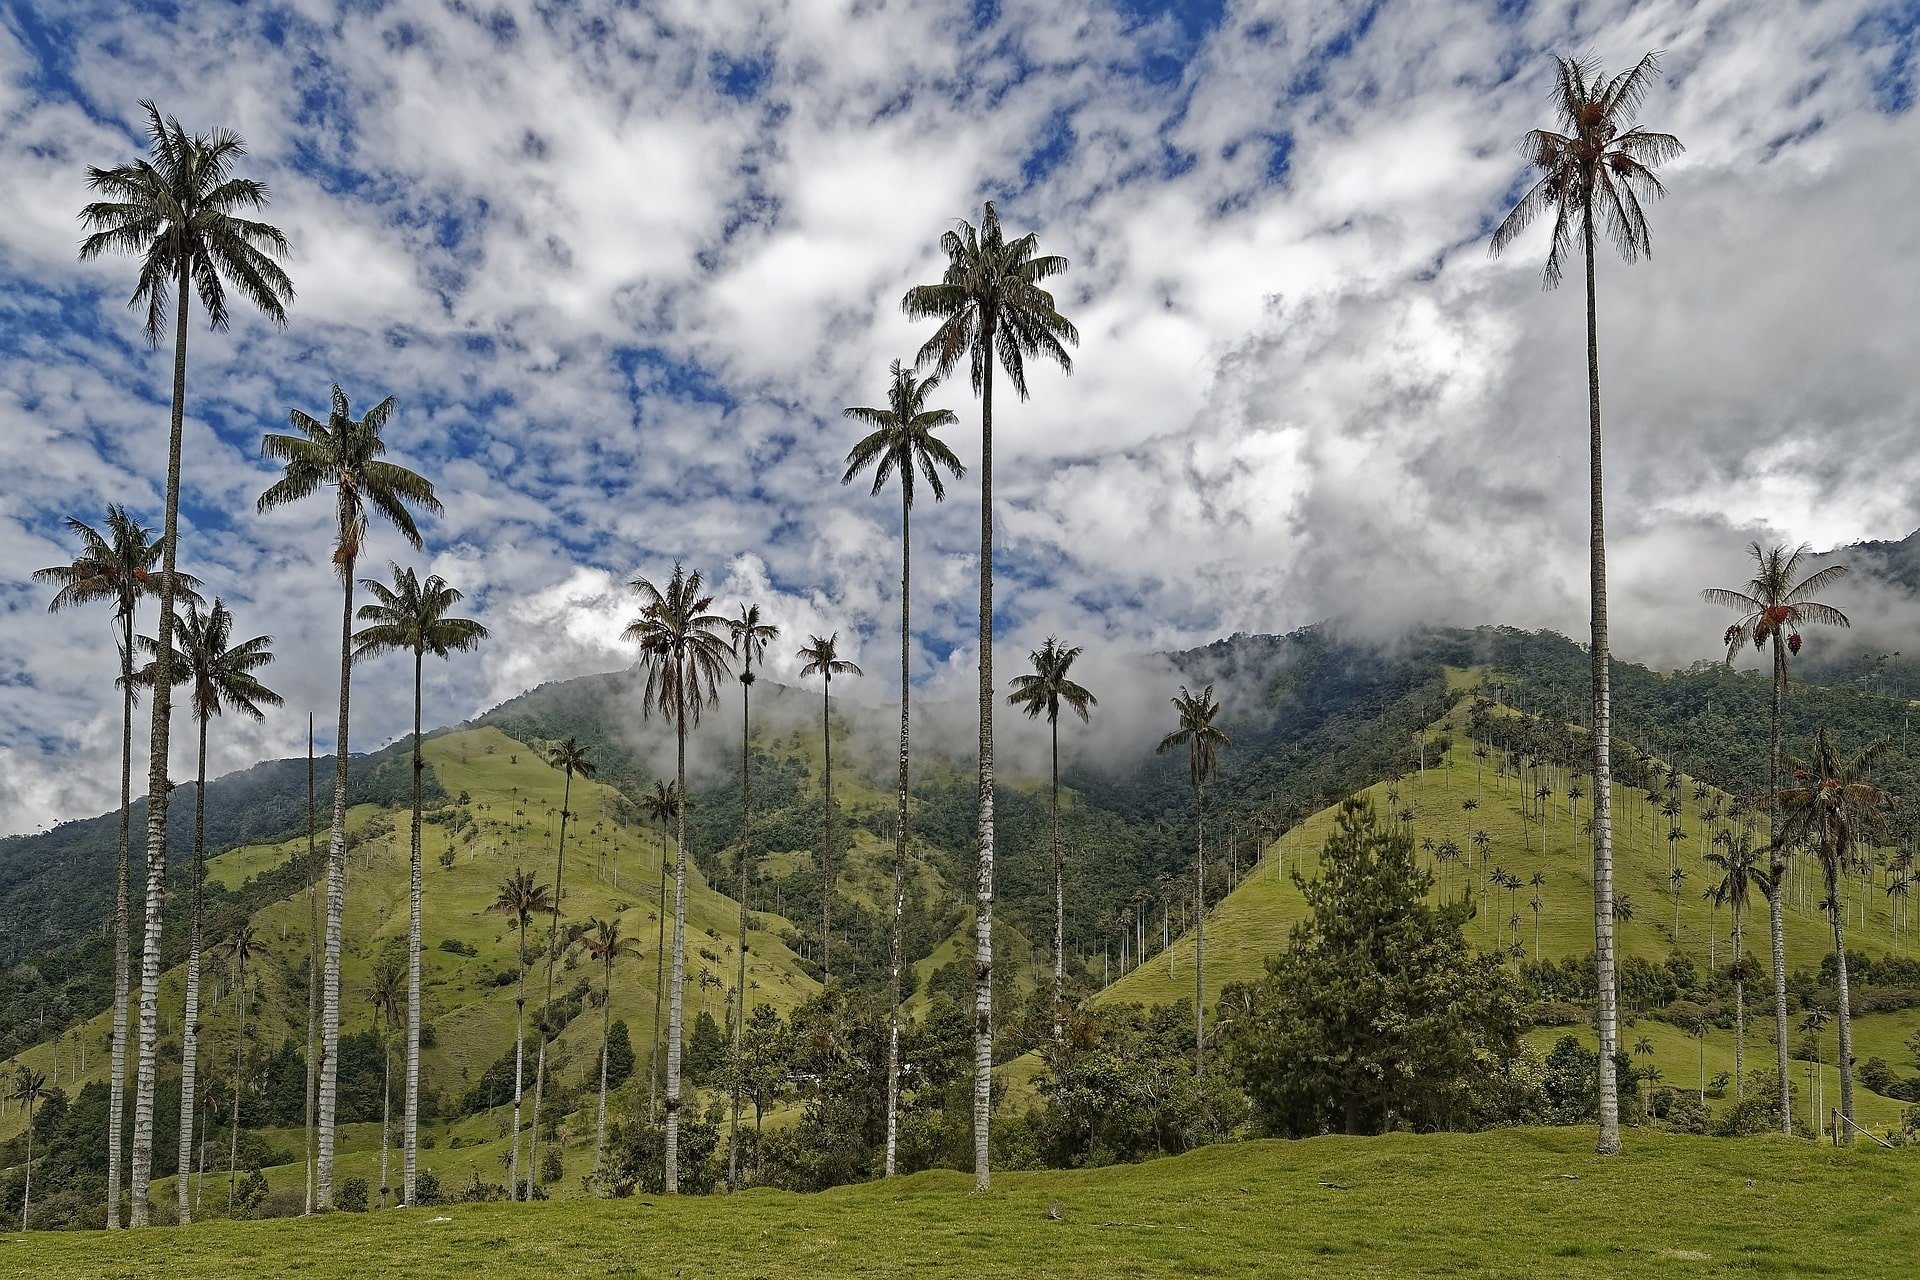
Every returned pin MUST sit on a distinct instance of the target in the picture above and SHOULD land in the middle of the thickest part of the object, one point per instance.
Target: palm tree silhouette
(221, 673)
(685, 657)
(1741, 872)
(120, 566)
(1599, 170)
(749, 637)
(1204, 741)
(822, 658)
(181, 212)
(522, 898)
(1043, 693)
(1834, 808)
(385, 992)
(28, 1086)
(411, 617)
(604, 943)
(571, 758)
(1773, 608)
(240, 950)
(343, 454)
(902, 443)
(991, 308)
(661, 805)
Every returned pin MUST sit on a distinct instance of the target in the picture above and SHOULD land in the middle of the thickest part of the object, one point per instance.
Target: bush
(250, 1195)
(1876, 1075)
(551, 1169)
(353, 1196)
(1680, 1110)
(453, 946)
(427, 1190)
(478, 1192)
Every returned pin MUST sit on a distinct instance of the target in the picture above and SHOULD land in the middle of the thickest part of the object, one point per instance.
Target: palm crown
(902, 438)
(180, 213)
(522, 898)
(1773, 603)
(989, 301)
(680, 645)
(571, 758)
(344, 452)
(411, 617)
(1049, 688)
(1598, 170)
(604, 943)
(822, 658)
(1203, 739)
(750, 638)
(119, 565)
(661, 803)
(220, 670)
(1832, 806)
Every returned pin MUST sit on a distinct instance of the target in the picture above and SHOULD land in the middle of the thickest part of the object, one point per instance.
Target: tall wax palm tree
(28, 1086)
(1833, 807)
(344, 454)
(1204, 741)
(571, 758)
(241, 951)
(385, 992)
(685, 656)
(902, 442)
(1742, 870)
(120, 566)
(182, 213)
(522, 898)
(991, 308)
(822, 658)
(1773, 608)
(1044, 693)
(221, 673)
(661, 805)
(604, 943)
(411, 617)
(749, 637)
(1597, 171)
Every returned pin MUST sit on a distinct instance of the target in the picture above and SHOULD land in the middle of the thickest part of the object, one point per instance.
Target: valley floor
(1511, 1203)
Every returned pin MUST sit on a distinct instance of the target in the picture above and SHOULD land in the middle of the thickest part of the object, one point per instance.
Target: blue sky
(623, 266)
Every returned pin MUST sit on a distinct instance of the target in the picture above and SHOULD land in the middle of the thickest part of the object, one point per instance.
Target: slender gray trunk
(309, 1149)
(26, 1192)
(410, 1123)
(239, 1050)
(386, 1103)
(659, 990)
(606, 1043)
(1739, 1013)
(746, 864)
(894, 957)
(1059, 886)
(1200, 932)
(983, 884)
(1779, 863)
(122, 909)
(1836, 914)
(157, 786)
(519, 1058)
(679, 952)
(546, 1005)
(826, 834)
(336, 911)
(190, 1023)
(1608, 1014)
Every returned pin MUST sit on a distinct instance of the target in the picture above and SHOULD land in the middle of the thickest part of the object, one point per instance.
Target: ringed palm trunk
(1776, 905)
(410, 1124)
(983, 883)
(336, 911)
(546, 1006)
(740, 975)
(1608, 1012)
(1739, 1012)
(826, 835)
(157, 744)
(674, 1002)
(1200, 934)
(386, 1105)
(190, 1024)
(1059, 889)
(519, 1059)
(239, 1048)
(309, 1150)
(894, 957)
(117, 1070)
(1837, 914)
(606, 1043)
(654, 1055)
(26, 1194)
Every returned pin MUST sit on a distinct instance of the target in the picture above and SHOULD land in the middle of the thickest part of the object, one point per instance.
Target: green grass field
(1514, 1203)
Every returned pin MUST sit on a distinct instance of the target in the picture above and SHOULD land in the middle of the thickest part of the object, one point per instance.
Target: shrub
(250, 1194)
(353, 1196)
(427, 1190)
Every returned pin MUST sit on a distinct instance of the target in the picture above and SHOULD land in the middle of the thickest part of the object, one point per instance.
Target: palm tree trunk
(674, 1004)
(894, 957)
(659, 990)
(983, 884)
(546, 1006)
(309, 1150)
(519, 1060)
(826, 835)
(740, 953)
(1776, 907)
(606, 1042)
(1059, 887)
(336, 911)
(386, 1105)
(1608, 1012)
(410, 1124)
(122, 894)
(239, 1048)
(1200, 934)
(190, 1023)
(1836, 913)
(1739, 1013)
(26, 1194)
(157, 751)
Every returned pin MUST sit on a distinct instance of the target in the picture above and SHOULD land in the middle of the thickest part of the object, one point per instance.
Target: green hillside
(1516, 1202)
